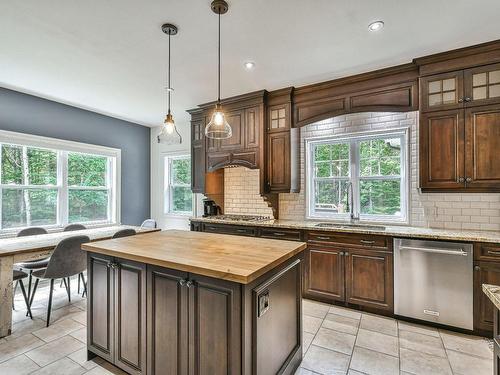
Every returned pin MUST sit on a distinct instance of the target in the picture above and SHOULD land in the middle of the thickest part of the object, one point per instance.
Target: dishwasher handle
(460, 252)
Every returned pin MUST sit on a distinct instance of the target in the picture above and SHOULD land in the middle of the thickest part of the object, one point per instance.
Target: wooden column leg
(6, 266)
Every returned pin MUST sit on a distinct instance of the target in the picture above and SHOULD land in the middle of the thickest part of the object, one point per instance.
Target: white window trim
(402, 132)
(63, 147)
(167, 193)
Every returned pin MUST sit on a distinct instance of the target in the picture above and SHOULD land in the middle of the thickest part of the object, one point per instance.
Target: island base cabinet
(117, 332)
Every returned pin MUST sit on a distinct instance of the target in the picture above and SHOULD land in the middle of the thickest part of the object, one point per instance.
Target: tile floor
(336, 341)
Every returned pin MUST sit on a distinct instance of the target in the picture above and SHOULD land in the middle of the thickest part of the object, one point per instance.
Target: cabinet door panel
(369, 279)
(441, 92)
(278, 163)
(324, 273)
(482, 134)
(482, 85)
(484, 273)
(198, 168)
(214, 326)
(237, 122)
(442, 150)
(168, 322)
(252, 127)
(100, 306)
(130, 324)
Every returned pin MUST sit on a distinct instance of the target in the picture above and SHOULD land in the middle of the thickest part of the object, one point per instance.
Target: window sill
(344, 221)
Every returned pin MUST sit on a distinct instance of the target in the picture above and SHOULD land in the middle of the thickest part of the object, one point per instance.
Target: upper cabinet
(482, 85)
(197, 151)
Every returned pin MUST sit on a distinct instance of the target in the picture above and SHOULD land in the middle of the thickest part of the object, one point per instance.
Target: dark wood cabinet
(167, 307)
(482, 85)
(484, 273)
(441, 92)
(442, 150)
(117, 333)
(324, 275)
(197, 152)
(278, 162)
(369, 278)
(236, 119)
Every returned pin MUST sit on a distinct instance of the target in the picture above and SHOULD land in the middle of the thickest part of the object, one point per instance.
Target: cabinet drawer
(487, 251)
(229, 229)
(368, 241)
(281, 234)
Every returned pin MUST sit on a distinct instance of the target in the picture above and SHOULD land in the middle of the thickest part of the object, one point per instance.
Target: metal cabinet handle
(112, 265)
(477, 268)
(279, 234)
(468, 179)
(346, 253)
(460, 100)
(189, 284)
(322, 238)
(241, 230)
(182, 282)
(366, 242)
(467, 99)
(461, 179)
(341, 253)
(492, 252)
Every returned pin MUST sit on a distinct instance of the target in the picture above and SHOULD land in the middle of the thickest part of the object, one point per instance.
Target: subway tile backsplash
(469, 211)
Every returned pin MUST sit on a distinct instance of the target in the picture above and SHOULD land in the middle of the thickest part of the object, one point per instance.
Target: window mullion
(354, 175)
(62, 183)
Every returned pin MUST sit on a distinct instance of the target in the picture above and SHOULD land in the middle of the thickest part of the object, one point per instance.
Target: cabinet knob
(189, 284)
(341, 253)
(346, 253)
(477, 268)
(460, 100)
(468, 99)
(182, 282)
(461, 179)
(468, 179)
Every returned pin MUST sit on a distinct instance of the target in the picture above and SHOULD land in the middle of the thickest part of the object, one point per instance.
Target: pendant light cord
(218, 90)
(168, 79)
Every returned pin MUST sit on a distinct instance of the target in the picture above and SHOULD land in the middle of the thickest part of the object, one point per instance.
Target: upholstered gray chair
(71, 227)
(124, 233)
(18, 277)
(68, 259)
(149, 224)
(31, 265)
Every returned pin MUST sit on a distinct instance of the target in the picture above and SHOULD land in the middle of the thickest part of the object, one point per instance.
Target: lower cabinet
(116, 332)
(356, 276)
(484, 273)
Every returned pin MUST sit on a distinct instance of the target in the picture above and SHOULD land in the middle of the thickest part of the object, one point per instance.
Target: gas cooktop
(240, 217)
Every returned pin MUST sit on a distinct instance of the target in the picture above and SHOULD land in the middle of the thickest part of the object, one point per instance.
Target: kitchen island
(177, 302)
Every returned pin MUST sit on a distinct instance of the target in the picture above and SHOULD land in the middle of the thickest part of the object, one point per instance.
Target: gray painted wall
(29, 114)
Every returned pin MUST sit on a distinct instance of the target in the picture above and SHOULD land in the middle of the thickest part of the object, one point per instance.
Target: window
(373, 167)
(46, 182)
(178, 195)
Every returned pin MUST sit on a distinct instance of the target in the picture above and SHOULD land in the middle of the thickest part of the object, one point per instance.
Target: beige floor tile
(338, 341)
(341, 323)
(25, 326)
(303, 371)
(307, 339)
(378, 341)
(105, 368)
(421, 343)
(19, 345)
(380, 324)
(374, 363)
(316, 309)
(311, 324)
(81, 335)
(80, 317)
(418, 328)
(55, 350)
(325, 361)
(80, 357)
(419, 363)
(354, 372)
(345, 312)
(65, 312)
(63, 366)
(467, 344)
(465, 364)
(57, 330)
(19, 365)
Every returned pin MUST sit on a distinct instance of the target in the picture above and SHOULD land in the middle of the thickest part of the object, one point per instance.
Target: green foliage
(182, 197)
(87, 170)
(87, 205)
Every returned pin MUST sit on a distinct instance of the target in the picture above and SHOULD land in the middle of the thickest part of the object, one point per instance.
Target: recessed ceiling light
(376, 26)
(249, 65)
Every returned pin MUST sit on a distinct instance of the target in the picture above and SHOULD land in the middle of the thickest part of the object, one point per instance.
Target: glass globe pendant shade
(218, 127)
(169, 134)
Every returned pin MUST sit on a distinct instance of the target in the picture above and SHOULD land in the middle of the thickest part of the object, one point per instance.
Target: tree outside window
(178, 195)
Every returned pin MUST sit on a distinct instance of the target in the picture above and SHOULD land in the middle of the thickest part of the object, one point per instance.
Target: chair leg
(14, 294)
(84, 293)
(21, 284)
(68, 288)
(30, 278)
(33, 293)
(79, 275)
(61, 283)
(49, 307)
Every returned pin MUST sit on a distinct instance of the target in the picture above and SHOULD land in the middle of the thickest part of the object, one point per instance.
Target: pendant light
(169, 134)
(218, 127)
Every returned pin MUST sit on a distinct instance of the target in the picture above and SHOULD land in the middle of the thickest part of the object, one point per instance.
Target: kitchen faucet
(353, 218)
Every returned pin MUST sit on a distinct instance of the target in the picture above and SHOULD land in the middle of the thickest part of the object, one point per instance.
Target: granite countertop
(208, 254)
(493, 293)
(393, 231)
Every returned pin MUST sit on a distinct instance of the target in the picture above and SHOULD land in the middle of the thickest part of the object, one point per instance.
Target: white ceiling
(110, 55)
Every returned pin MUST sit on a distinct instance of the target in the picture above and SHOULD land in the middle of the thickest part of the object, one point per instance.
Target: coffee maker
(210, 208)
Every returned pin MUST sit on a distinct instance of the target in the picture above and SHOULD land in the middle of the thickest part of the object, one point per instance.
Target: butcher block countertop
(233, 258)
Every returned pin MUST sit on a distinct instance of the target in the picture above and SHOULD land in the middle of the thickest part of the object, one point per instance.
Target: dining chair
(149, 224)
(18, 277)
(70, 228)
(31, 265)
(124, 233)
(68, 259)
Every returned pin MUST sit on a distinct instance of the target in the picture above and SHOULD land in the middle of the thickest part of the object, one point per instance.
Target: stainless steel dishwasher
(433, 281)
